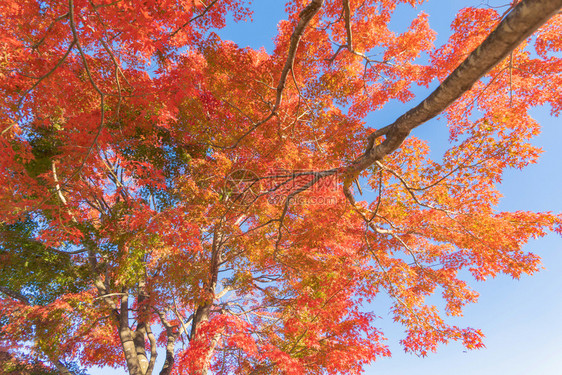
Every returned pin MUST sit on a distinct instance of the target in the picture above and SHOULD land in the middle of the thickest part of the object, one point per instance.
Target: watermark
(278, 186)
(302, 200)
(242, 187)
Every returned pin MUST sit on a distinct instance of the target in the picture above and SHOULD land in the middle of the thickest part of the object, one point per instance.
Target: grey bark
(141, 330)
(126, 337)
(170, 359)
(171, 335)
(519, 24)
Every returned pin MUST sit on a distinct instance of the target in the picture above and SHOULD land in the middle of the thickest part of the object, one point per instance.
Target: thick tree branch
(347, 18)
(62, 369)
(203, 311)
(153, 350)
(14, 294)
(171, 336)
(141, 330)
(518, 25)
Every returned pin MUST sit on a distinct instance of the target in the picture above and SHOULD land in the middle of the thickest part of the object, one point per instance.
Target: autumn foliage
(164, 192)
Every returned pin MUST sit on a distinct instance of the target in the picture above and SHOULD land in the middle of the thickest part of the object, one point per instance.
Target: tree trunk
(126, 337)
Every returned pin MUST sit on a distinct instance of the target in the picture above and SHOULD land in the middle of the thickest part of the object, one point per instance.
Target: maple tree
(167, 192)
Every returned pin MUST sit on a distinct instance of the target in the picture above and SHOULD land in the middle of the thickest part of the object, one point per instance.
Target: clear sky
(520, 318)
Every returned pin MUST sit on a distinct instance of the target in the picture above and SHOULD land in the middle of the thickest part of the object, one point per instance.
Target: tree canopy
(166, 192)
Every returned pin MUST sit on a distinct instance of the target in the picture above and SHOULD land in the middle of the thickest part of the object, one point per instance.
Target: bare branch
(207, 9)
(91, 79)
(41, 79)
(305, 17)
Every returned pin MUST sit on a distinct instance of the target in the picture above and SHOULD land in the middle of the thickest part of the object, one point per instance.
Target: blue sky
(520, 318)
